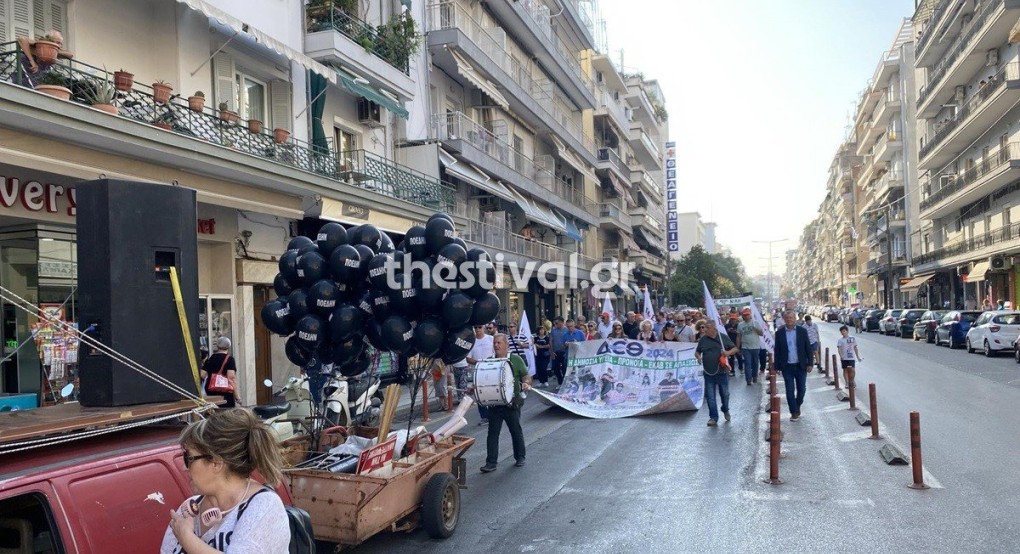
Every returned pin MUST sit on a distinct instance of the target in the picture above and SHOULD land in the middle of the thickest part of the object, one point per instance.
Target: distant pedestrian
(558, 353)
(482, 350)
(542, 350)
(646, 334)
(749, 334)
(684, 331)
(731, 331)
(591, 333)
(605, 326)
(813, 340)
(669, 333)
(660, 322)
(630, 326)
(793, 358)
(849, 355)
(712, 348)
(617, 332)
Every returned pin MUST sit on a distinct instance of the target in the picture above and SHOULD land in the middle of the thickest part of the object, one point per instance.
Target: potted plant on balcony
(164, 120)
(197, 101)
(397, 40)
(161, 91)
(45, 50)
(280, 135)
(102, 94)
(227, 115)
(123, 80)
(54, 83)
(255, 126)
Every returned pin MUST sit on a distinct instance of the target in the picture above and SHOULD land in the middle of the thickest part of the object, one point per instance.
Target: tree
(723, 273)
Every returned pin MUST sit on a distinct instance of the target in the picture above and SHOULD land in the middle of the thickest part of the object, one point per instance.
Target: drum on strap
(494, 382)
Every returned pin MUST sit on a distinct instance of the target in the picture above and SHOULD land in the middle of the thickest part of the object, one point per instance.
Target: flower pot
(62, 93)
(164, 126)
(122, 80)
(229, 116)
(161, 93)
(45, 52)
(280, 135)
(196, 103)
(254, 125)
(108, 108)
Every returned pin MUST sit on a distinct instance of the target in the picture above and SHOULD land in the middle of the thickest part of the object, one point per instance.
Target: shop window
(27, 525)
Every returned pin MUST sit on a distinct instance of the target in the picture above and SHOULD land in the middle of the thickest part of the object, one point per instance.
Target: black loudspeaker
(129, 235)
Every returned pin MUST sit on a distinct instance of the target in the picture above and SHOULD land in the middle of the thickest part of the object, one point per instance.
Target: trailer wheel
(440, 506)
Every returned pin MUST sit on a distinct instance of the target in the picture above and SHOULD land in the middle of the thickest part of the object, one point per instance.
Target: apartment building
(968, 74)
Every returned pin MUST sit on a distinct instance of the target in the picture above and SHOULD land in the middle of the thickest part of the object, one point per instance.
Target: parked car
(908, 318)
(831, 314)
(994, 332)
(871, 318)
(888, 322)
(926, 325)
(954, 326)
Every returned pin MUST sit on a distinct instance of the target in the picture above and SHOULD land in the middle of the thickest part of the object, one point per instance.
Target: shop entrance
(263, 347)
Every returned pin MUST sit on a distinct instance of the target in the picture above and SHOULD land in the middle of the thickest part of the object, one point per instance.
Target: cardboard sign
(377, 456)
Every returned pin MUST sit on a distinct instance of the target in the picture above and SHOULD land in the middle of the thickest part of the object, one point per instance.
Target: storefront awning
(556, 223)
(916, 283)
(467, 173)
(573, 161)
(650, 240)
(262, 38)
(368, 93)
(572, 230)
(978, 273)
(469, 73)
(537, 214)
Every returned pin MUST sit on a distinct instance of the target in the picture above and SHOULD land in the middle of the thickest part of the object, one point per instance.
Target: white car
(993, 332)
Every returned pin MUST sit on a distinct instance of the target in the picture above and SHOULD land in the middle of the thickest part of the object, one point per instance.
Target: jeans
(751, 359)
(559, 366)
(815, 355)
(794, 375)
(721, 382)
(763, 359)
(512, 417)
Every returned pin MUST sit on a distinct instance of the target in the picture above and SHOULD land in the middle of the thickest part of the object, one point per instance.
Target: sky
(759, 93)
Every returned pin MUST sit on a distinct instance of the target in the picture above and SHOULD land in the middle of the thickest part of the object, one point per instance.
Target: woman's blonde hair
(237, 437)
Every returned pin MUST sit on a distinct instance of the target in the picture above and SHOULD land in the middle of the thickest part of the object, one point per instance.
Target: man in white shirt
(483, 349)
(812, 331)
(684, 332)
(605, 326)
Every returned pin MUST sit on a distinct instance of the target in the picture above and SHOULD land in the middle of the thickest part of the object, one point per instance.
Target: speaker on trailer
(129, 235)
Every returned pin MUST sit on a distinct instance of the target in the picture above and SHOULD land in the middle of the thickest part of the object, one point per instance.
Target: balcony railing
(962, 44)
(212, 126)
(457, 126)
(651, 184)
(1008, 72)
(930, 30)
(612, 105)
(539, 13)
(611, 254)
(566, 118)
(502, 238)
(987, 164)
(610, 155)
(332, 17)
(973, 244)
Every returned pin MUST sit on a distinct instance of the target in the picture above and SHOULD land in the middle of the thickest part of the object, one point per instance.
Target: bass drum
(494, 382)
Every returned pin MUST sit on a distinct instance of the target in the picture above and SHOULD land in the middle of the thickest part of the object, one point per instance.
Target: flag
(710, 308)
(648, 313)
(607, 306)
(768, 340)
(524, 337)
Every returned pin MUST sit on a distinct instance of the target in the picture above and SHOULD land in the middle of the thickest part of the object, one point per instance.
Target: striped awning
(916, 283)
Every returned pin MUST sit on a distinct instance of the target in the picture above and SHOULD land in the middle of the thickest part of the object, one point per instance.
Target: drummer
(510, 414)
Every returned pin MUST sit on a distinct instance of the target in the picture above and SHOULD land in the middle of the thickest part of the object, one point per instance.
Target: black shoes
(520, 463)
(488, 468)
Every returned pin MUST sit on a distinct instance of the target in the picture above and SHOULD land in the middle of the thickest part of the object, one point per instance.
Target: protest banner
(768, 339)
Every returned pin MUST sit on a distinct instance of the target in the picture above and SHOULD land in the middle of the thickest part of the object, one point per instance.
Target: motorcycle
(291, 417)
(352, 400)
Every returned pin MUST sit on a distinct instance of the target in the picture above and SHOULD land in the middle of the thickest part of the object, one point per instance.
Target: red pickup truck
(109, 494)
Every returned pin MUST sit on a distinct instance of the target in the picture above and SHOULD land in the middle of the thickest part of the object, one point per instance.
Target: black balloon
(288, 268)
(381, 307)
(323, 296)
(346, 322)
(370, 236)
(404, 298)
(366, 256)
(415, 243)
(477, 254)
(345, 351)
(429, 337)
(297, 243)
(386, 246)
(276, 317)
(480, 277)
(438, 233)
(281, 286)
(430, 300)
(451, 255)
(297, 301)
(311, 331)
(311, 267)
(296, 353)
(345, 264)
(457, 309)
(330, 236)
(485, 310)
(460, 242)
(325, 354)
(377, 269)
(439, 215)
(457, 345)
(306, 249)
(373, 334)
(397, 334)
(364, 304)
(356, 366)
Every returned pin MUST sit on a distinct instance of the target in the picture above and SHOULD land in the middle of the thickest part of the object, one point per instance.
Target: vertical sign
(672, 227)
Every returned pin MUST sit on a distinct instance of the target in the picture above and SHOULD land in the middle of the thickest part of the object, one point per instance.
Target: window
(27, 524)
(346, 144)
(32, 18)
(518, 153)
(251, 97)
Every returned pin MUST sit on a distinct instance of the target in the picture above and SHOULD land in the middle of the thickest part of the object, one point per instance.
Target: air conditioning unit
(992, 58)
(369, 113)
(997, 262)
(946, 179)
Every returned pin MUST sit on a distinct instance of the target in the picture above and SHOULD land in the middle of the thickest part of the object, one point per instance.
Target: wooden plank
(72, 416)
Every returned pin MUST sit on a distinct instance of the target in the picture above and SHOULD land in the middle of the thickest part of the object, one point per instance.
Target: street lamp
(770, 258)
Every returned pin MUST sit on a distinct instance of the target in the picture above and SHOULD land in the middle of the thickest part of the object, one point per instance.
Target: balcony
(514, 247)
(613, 214)
(645, 259)
(966, 55)
(462, 47)
(880, 189)
(989, 174)
(934, 28)
(997, 96)
(996, 241)
(334, 36)
(490, 152)
(582, 20)
(530, 22)
(888, 106)
(608, 106)
(610, 160)
(234, 140)
(890, 144)
(648, 154)
(651, 187)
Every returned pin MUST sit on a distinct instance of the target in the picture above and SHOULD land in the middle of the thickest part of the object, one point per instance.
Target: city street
(669, 483)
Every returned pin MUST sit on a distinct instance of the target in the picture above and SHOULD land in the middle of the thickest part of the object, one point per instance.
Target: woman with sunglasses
(617, 331)
(591, 333)
(232, 512)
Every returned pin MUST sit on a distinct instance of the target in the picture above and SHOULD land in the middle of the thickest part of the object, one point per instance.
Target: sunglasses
(189, 459)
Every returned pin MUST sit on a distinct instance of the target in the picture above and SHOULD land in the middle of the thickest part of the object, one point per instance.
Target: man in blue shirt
(558, 336)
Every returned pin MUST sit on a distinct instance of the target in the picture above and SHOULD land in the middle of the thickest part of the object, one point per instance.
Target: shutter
(280, 104)
(49, 15)
(58, 17)
(39, 17)
(21, 20)
(223, 73)
(4, 36)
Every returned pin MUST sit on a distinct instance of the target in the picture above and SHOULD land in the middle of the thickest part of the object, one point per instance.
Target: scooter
(352, 399)
(292, 416)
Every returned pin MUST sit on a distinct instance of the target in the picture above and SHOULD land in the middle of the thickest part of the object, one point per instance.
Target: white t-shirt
(263, 528)
(685, 333)
(483, 348)
(812, 332)
(605, 329)
(846, 345)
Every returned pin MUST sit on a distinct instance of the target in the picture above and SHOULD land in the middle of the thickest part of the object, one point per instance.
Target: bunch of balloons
(350, 288)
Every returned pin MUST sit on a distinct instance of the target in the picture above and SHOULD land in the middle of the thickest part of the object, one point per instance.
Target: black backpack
(302, 541)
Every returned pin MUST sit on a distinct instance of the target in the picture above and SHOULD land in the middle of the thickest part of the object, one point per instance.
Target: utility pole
(888, 251)
(770, 258)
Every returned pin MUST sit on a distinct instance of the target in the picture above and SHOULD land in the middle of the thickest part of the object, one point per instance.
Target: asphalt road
(668, 483)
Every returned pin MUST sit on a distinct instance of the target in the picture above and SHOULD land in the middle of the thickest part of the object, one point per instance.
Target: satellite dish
(67, 390)
(268, 382)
